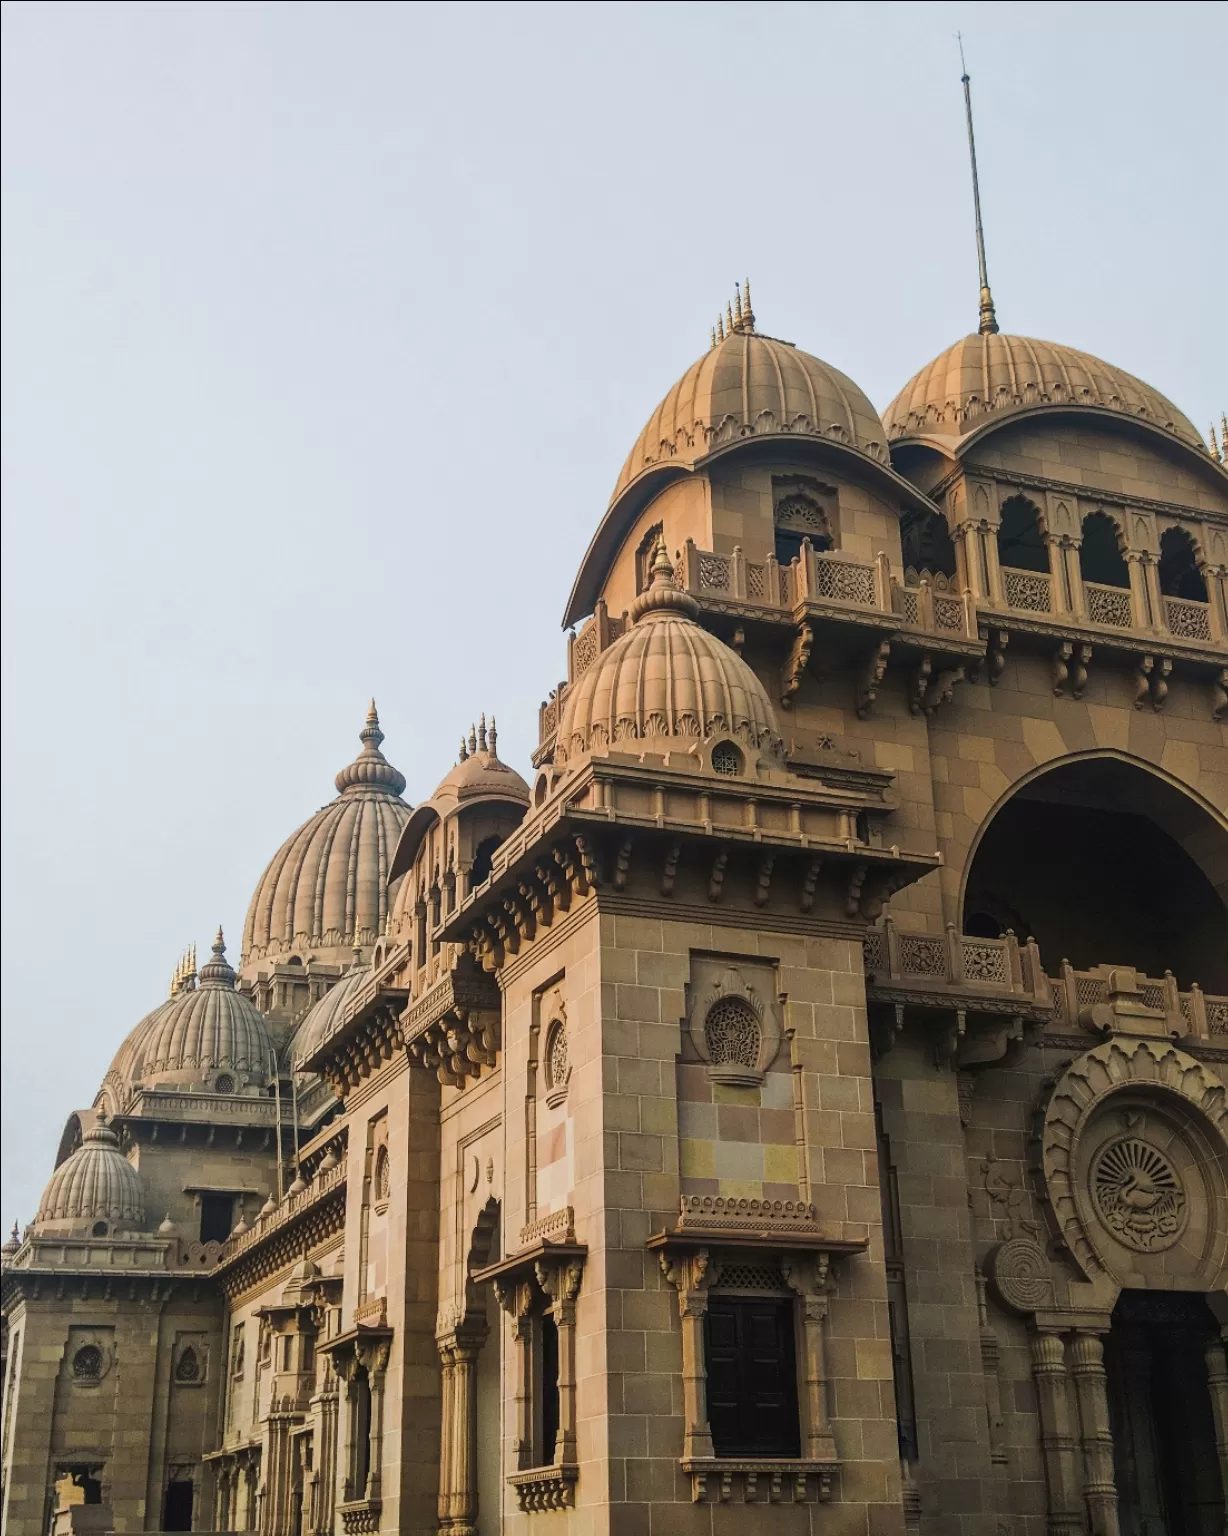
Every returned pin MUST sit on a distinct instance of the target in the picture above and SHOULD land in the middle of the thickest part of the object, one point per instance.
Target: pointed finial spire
(494, 737)
(1215, 450)
(464, 751)
(482, 731)
(737, 304)
(371, 769)
(713, 338)
(720, 327)
(748, 314)
(473, 741)
(219, 942)
(988, 325)
(729, 317)
(662, 597)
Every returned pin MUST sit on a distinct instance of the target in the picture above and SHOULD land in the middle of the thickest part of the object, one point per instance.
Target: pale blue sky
(326, 331)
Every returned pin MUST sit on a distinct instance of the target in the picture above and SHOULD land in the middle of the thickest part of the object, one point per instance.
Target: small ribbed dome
(96, 1184)
(479, 773)
(748, 385)
(991, 374)
(197, 1038)
(327, 885)
(323, 1016)
(666, 677)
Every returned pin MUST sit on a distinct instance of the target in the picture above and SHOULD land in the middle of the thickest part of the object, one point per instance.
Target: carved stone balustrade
(1194, 1015)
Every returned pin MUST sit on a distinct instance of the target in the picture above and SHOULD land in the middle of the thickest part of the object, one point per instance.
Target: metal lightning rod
(989, 320)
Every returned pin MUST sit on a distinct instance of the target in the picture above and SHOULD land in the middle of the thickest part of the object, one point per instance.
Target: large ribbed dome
(666, 677)
(206, 1038)
(96, 1184)
(990, 374)
(748, 385)
(327, 886)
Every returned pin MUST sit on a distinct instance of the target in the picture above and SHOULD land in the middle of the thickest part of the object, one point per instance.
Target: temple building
(794, 1107)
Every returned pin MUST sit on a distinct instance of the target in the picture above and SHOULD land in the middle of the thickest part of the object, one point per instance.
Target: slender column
(990, 1355)
(561, 1282)
(377, 1365)
(1067, 598)
(275, 1506)
(1065, 1518)
(1099, 1487)
(517, 1301)
(807, 1277)
(447, 1418)
(1217, 600)
(691, 1275)
(1217, 1381)
(988, 534)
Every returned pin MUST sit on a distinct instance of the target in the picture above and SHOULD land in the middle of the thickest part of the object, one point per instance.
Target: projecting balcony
(925, 975)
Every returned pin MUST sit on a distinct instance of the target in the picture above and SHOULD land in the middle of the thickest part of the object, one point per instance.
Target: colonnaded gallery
(796, 1107)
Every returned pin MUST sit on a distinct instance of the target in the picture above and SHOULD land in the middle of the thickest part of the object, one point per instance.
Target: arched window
(482, 861)
(1100, 557)
(1020, 543)
(1179, 573)
(799, 517)
(926, 544)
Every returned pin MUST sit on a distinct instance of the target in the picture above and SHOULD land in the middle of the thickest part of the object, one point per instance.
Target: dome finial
(464, 751)
(663, 595)
(371, 769)
(473, 740)
(217, 972)
(482, 731)
(1214, 446)
(720, 328)
(494, 737)
(988, 325)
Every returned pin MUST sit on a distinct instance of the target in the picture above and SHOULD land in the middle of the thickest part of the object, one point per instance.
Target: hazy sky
(327, 329)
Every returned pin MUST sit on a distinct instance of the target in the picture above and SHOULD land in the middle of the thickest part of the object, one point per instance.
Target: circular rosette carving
(1019, 1269)
(1133, 1153)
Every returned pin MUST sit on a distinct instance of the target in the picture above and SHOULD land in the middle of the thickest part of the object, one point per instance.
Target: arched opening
(483, 860)
(1165, 1464)
(800, 516)
(1103, 861)
(1179, 573)
(925, 542)
(360, 1408)
(486, 1247)
(1100, 557)
(1021, 545)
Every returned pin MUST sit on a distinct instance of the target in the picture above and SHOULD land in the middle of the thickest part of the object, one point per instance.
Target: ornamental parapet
(296, 1206)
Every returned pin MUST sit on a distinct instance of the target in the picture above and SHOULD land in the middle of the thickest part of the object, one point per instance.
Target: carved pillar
(1217, 1381)
(976, 550)
(1216, 579)
(1065, 1518)
(1065, 577)
(458, 1471)
(325, 1499)
(1099, 1487)
(375, 1358)
(691, 1275)
(561, 1283)
(275, 1506)
(808, 1278)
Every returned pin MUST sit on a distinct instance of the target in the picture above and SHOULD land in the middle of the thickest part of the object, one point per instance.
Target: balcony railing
(961, 963)
(1187, 618)
(1108, 605)
(894, 956)
(1029, 591)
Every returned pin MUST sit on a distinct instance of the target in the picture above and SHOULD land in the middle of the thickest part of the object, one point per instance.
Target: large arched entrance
(1105, 861)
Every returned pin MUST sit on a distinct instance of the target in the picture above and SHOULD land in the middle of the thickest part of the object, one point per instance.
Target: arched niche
(1104, 859)
(1100, 552)
(1180, 574)
(1021, 543)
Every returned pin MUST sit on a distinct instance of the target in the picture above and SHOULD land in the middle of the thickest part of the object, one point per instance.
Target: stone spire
(663, 596)
(217, 971)
(371, 770)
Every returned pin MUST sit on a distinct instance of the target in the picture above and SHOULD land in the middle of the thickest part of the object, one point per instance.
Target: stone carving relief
(1133, 1158)
(1138, 1194)
(733, 1019)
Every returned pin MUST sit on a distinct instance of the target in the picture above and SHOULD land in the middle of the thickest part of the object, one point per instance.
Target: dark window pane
(177, 1513)
(550, 1388)
(752, 1377)
(216, 1217)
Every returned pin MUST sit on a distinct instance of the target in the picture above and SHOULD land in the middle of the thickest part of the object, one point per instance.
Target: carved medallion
(1021, 1275)
(1138, 1194)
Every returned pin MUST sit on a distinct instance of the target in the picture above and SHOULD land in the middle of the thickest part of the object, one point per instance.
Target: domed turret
(991, 374)
(749, 385)
(667, 680)
(204, 1038)
(95, 1190)
(326, 888)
